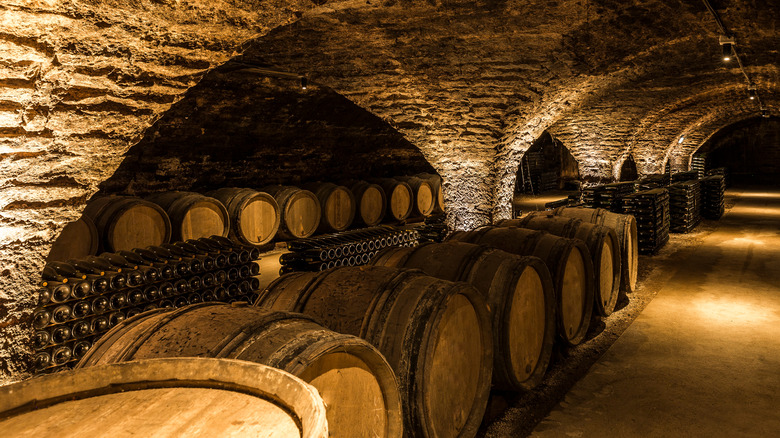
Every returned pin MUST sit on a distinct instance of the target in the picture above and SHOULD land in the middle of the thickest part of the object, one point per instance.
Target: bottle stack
(348, 248)
(652, 181)
(651, 210)
(684, 206)
(434, 229)
(713, 189)
(685, 176)
(80, 300)
(699, 164)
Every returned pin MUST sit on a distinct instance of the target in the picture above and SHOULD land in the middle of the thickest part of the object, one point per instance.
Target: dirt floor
(516, 415)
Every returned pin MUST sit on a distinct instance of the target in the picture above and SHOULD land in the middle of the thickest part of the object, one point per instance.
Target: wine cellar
(399, 219)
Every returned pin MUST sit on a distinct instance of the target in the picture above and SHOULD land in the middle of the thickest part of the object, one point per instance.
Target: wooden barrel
(77, 240)
(193, 215)
(355, 381)
(570, 267)
(400, 198)
(436, 183)
(337, 206)
(165, 398)
(424, 195)
(434, 333)
(519, 294)
(371, 203)
(626, 229)
(126, 222)
(301, 211)
(254, 216)
(602, 243)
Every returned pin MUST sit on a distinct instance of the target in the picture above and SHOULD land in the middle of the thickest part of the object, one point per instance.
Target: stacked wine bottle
(82, 299)
(348, 248)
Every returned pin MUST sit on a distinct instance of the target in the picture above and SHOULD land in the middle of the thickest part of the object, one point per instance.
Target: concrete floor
(703, 358)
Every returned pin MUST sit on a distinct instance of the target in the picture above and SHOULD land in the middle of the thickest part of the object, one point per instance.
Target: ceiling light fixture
(727, 43)
(752, 93)
(682, 138)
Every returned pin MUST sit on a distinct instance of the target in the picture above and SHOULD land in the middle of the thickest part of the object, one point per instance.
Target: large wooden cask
(165, 398)
(300, 209)
(434, 333)
(356, 382)
(603, 246)
(254, 216)
(337, 205)
(126, 222)
(400, 198)
(438, 189)
(77, 240)
(519, 294)
(570, 267)
(370, 201)
(193, 215)
(626, 229)
(424, 195)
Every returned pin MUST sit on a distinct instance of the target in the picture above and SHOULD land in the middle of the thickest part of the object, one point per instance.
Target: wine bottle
(166, 304)
(81, 329)
(167, 290)
(61, 355)
(60, 293)
(222, 277)
(117, 301)
(81, 289)
(99, 324)
(254, 283)
(222, 294)
(100, 304)
(244, 272)
(133, 311)
(181, 286)
(150, 273)
(115, 318)
(166, 270)
(151, 293)
(81, 348)
(195, 283)
(44, 296)
(42, 360)
(81, 309)
(194, 298)
(244, 287)
(65, 270)
(180, 301)
(232, 274)
(41, 318)
(135, 297)
(61, 314)
(41, 339)
(60, 334)
(233, 291)
(208, 295)
(209, 280)
(153, 306)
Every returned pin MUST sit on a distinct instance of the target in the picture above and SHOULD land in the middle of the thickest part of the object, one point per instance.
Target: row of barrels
(250, 217)
(392, 348)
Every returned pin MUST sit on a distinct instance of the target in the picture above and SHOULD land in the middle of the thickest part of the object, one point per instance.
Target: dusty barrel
(193, 215)
(125, 222)
(436, 183)
(254, 216)
(337, 206)
(300, 211)
(626, 229)
(77, 240)
(602, 243)
(434, 333)
(355, 381)
(570, 267)
(424, 195)
(371, 203)
(400, 198)
(519, 294)
(165, 398)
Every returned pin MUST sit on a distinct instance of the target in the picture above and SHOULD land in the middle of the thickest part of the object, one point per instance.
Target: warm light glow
(682, 138)
(727, 310)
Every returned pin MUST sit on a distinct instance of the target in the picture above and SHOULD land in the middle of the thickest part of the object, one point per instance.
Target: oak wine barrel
(602, 244)
(438, 189)
(77, 240)
(400, 198)
(165, 398)
(355, 381)
(434, 333)
(424, 195)
(193, 215)
(570, 267)
(519, 294)
(126, 222)
(300, 211)
(626, 229)
(371, 203)
(254, 215)
(337, 205)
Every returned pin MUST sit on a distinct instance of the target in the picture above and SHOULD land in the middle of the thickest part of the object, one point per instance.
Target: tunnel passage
(628, 170)
(750, 150)
(547, 165)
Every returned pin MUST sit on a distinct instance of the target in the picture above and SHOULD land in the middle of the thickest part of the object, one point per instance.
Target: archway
(749, 150)
(628, 171)
(547, 166)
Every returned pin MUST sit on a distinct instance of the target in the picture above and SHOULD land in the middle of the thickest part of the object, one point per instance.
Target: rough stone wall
(248, 130)
(80, 81)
